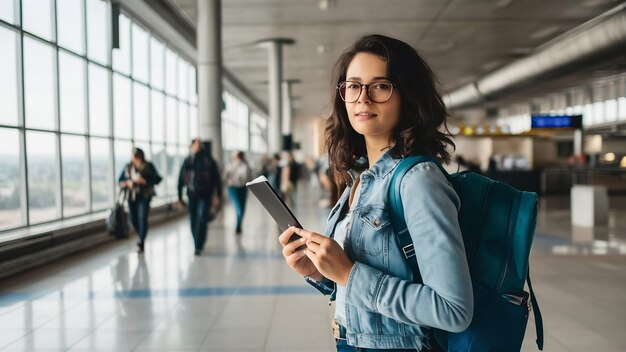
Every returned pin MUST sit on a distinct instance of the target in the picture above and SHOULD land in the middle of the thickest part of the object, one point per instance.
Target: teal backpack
(497, 223)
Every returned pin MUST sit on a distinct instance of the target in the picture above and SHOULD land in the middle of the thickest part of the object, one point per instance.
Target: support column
(578, 141)
(287, 114)
(275, 71)
(209, 43)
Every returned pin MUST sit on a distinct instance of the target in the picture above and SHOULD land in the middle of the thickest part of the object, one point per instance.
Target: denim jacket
(385, 308)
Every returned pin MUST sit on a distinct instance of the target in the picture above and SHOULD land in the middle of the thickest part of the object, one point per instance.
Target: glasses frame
(367, 91)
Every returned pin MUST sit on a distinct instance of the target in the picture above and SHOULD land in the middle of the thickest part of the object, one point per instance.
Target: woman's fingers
(312, 257)
(315, 237)
(314, 247)
(294, 257)
(292, 247)
(285, 236)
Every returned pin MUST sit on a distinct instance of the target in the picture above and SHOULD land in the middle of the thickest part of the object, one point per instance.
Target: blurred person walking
(290, 174)
(200, 176)
(138, 179)
(236, 176)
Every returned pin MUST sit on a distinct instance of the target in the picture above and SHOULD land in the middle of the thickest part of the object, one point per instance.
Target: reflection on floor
(240, 296)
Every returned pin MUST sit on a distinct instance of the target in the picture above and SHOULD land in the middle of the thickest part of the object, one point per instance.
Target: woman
(386, 107)
(236, 176)
(139, 178)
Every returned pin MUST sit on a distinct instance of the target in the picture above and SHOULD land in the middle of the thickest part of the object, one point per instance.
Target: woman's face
(372, 120)
(196, 146)
(136, 161)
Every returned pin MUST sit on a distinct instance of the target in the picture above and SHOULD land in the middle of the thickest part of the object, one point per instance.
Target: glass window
(39, 84)
(588, 118)
(171, 121)
(99, 101)
(41, 153)
(611, 110)
(170, 72)
(37, 17)
(72, 92)
(156, 63)
(234, 123)
(142, 123)
(75, 183)
(194, 124)
(123, 150)
(183, 151)
(193, 91)
(173, 168)
(598, 112)
(9, 74)
(7, 12)
(621, 106)
(121, 56)
(183, 123)
(159, 160)
(578, 109)
(97, 29)
(158, 122)
(140, 53)
(101, 195)
(10, 181)
(70, 25)
(145, 146)
(183, 78)
(258, 133)
(121, 106)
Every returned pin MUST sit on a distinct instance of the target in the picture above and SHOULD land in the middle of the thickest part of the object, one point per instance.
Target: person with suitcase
(138, 179)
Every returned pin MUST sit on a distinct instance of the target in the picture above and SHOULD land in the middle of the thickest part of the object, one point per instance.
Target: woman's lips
(364, 116)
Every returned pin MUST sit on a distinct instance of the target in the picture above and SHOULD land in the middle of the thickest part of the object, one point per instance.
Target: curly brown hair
(422, 111)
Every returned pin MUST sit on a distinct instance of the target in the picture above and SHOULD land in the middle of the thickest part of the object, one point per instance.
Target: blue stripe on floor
(15, 297)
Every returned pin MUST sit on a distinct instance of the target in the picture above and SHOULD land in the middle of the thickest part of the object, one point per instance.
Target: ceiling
(461, 39)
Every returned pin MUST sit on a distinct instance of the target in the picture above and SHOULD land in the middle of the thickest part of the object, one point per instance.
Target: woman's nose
(363, 96)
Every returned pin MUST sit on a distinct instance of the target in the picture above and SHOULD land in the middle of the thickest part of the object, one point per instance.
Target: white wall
(617, 146)
(305, 132)
(474, 149)
(545, 152)
(515, 145)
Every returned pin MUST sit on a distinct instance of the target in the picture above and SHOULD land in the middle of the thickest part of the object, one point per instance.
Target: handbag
(117, 221)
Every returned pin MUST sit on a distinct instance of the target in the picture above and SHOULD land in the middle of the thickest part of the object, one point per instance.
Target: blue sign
(556, 121)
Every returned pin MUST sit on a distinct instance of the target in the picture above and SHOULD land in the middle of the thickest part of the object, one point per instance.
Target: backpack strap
(536, 312)
(397, 209)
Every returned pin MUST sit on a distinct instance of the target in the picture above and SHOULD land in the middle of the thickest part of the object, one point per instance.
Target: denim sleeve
(325, 286)
(445, 299)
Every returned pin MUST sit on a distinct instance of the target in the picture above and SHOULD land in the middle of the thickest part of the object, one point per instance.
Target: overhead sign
(556, 121)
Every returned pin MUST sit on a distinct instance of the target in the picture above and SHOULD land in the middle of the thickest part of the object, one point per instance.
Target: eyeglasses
(378, 92)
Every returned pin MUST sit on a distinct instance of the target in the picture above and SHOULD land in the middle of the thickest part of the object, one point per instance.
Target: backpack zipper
(508, 233)
(475, 234)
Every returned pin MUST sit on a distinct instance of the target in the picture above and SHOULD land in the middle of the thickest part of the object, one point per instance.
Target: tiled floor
(240, 296)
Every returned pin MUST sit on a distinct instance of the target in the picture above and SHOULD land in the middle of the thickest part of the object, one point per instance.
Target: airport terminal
(130, 128)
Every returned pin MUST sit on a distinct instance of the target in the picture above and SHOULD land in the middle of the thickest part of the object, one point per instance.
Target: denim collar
(385, 165)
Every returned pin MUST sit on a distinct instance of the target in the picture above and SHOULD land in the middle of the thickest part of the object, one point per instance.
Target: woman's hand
(327, 256)
(297, 260)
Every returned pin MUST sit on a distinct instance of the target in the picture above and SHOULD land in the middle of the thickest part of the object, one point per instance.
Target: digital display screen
(556, 121)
